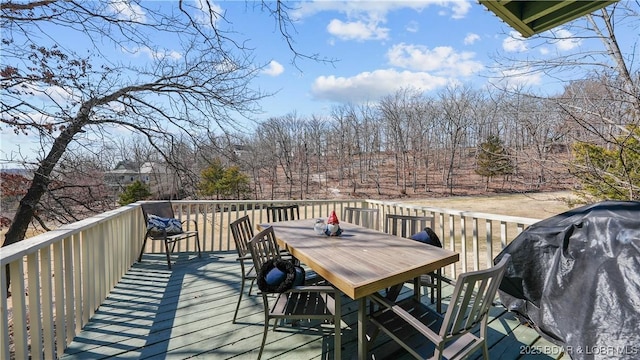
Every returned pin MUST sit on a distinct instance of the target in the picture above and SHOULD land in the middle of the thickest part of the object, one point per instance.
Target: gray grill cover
(575, 277)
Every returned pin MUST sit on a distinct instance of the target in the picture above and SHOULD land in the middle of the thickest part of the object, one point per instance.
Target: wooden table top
(361, 261)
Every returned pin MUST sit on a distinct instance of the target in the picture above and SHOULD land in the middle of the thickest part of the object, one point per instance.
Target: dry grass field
(531, 205)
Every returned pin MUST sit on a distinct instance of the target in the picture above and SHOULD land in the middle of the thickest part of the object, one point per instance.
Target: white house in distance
(161, 179)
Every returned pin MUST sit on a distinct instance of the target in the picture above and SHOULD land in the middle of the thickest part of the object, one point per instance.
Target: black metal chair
(164, 210)
(300, 302)
(283, 213)
(242, 232)
(405, 226)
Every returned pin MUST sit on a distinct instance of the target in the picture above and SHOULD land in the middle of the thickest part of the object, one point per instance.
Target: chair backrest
(242, 232)
(369, 218)
(472, 299)
(406, 225)
(263, 247)
(160, 208)
(283, 213)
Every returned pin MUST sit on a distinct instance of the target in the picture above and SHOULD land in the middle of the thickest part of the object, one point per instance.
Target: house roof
(533, 17)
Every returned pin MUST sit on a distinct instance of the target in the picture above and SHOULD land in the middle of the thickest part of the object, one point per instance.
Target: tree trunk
(41, 179)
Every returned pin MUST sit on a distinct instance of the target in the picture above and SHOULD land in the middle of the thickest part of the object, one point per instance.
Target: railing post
(4, 317)
(59, 298)
(47, 298)
(19, 310)
(452, 241)
(35, 304)
(489, 225)
(476, 250)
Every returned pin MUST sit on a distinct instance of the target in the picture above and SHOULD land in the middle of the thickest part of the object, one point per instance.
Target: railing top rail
(308, 201)
(35, 243)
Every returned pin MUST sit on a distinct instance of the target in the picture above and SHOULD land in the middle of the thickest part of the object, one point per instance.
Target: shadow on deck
(186, 313)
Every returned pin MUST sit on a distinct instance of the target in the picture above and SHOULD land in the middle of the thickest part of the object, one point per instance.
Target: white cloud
(357, 30)
(514, 43)
(379, 9)
(127, 10)
(459, 8)
(565, 41)
(520, 78)
(205, 8)
(365, 16)
(544, 51)
(152, 54)
(370, 86)
(412, 26)
(273, 69)
(442, 60)
(471, 38)
(49, 94)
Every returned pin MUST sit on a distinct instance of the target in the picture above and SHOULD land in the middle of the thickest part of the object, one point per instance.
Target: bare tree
(400, 112)
(458, 104)
(317, 132)
(90, 95)
(341, 148)
(601, 100)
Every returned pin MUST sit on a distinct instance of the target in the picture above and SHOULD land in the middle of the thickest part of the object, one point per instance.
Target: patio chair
(298, 303)
(406, 226)
(162, 225)
(369, 218)
(242, 232)
(426, 334)
(283, 213)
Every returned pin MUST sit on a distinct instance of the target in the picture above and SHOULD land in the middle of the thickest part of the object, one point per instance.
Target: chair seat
(417, 341)
(304, 305)
(387, 319)
(174, 237)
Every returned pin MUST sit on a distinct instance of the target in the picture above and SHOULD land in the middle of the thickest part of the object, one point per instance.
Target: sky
(375, 48)
(382, 46)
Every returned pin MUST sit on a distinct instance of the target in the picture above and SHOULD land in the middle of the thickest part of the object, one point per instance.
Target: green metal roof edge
(570, 11)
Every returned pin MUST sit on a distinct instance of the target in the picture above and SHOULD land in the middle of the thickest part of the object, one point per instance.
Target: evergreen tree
(234, 183)
(224, 183)
(493, 159)
(210, 179)
(135, 191)
(609, 173)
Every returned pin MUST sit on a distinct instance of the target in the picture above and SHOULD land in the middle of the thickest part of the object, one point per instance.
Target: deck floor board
(186, 312)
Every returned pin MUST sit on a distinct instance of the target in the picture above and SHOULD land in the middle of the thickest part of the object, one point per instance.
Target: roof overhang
(534, 16)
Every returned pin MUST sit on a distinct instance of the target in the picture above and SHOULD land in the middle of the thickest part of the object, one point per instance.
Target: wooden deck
(156, 313)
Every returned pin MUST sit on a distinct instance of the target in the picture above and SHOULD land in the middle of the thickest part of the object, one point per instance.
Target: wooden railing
(462, 231)
(60, 278)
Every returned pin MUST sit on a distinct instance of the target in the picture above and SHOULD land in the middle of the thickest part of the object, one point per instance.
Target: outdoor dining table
(360, 261)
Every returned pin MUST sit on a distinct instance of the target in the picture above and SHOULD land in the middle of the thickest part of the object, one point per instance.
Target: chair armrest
(195, 223)
(163, 234)
(407, 317)
(313, 288)
(245, 257)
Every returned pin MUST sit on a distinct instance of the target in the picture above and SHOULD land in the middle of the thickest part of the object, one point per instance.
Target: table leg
(362, 325)
(416, 288)
(439, 291)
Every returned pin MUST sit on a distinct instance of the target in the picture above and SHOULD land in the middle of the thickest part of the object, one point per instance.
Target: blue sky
(378, 47)
(381, 46)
